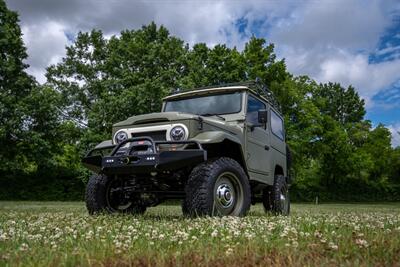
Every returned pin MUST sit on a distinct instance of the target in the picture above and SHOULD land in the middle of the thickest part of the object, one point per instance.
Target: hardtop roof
(252, 87)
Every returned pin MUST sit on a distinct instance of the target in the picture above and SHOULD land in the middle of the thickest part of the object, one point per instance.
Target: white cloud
(368, 78)
(211, 22)
(44, 24)
(329, 41)
(46, 44)
(346, 24)
(332, 42)
(340, 65)
(395, 131)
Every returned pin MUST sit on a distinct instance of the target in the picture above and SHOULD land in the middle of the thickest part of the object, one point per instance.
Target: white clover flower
(333, 246)
(24, 247)
(3, 237)
(229, 251)
(361, 243)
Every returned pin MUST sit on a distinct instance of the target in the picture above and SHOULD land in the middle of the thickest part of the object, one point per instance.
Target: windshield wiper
(211, 114)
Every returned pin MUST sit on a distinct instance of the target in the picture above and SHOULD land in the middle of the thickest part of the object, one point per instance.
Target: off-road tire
(266, 199)
(95, 197)
(185, 209)
(272, 197)
(200, 188)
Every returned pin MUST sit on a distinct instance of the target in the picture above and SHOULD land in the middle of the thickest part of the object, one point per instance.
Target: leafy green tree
(30, 127)
(225, 65)
(218, 65)
(344, 105)
(395, 166)
(15, 86)
(195, 67)
(101, 81)
(303, 123)
(104, 81)
(258, 57)
(379, 147)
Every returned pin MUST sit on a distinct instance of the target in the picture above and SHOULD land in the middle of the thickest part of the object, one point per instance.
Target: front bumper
(144, 163)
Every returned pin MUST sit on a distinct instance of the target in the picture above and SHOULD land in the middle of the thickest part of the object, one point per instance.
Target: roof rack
(256, 85)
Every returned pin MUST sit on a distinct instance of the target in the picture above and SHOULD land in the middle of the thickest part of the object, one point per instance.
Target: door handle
(266, 147)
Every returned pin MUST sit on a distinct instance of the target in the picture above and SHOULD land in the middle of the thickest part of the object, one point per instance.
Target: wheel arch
(227, 148)
(279, 170)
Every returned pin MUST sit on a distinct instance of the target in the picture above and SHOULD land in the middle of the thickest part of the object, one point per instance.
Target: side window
(253, 106)
(277, 125)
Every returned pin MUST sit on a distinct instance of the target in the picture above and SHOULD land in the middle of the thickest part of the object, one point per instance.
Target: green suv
(218, 149)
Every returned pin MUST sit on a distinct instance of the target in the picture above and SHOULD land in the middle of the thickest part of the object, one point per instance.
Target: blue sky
(354, 42)
(387, 108)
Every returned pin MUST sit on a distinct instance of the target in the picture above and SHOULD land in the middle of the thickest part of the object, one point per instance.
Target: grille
(156, 135)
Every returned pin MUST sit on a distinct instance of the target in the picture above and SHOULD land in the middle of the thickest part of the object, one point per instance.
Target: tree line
(45, 129)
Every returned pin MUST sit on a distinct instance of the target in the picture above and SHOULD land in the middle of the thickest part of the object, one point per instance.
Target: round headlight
(120, 137)
(178, 133)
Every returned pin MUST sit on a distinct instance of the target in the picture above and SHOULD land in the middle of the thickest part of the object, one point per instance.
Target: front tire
(218, 187)
(106, 194)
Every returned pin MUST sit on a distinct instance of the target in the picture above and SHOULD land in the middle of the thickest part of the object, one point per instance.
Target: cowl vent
(151, 121)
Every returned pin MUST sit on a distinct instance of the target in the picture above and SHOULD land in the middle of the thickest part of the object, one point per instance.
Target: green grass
(52, 233)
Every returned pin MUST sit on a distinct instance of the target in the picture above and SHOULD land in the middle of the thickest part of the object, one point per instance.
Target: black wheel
(108, 194)
(218, 187)
(276, 198)
(185, 209)
(266, 199)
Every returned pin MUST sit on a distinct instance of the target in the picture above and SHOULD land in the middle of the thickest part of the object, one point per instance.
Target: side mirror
(262, 116)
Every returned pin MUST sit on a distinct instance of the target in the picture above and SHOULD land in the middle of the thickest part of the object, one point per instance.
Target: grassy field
(51, 233)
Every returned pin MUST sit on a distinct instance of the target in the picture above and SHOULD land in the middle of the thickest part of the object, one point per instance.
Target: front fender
(212, 137)
(93, 158)
(104, 144)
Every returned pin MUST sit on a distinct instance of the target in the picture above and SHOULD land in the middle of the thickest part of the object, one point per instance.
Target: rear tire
(105, 194)
(185, 209)
(266, 199)
(276, 198)
(218, 187)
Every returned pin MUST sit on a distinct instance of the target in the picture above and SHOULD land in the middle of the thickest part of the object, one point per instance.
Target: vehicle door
(257, 141)
(278, 145)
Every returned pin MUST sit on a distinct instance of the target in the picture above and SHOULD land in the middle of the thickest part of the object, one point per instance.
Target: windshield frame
(241, 96)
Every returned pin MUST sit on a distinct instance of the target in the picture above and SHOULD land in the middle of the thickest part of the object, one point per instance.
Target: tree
(101, 81)
(395, 166)
(379, 147)
(258, 58)
(104, 81)
(344, 105)
(15, 86)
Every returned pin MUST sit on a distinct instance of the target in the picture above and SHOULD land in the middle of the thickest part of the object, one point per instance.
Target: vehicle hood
(168, 117)
(155, 118)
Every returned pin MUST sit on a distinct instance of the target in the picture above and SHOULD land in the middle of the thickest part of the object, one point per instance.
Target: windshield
(207, 105)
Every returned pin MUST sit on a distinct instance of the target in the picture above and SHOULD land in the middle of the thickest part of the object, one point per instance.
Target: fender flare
(219, 137)
(213, 137)
(106, 143)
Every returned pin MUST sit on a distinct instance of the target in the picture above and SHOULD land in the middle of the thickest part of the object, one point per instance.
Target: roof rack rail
(259, 87)
(263, 90)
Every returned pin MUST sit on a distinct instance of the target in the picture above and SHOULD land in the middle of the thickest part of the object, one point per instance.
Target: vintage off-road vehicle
(218, 149)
